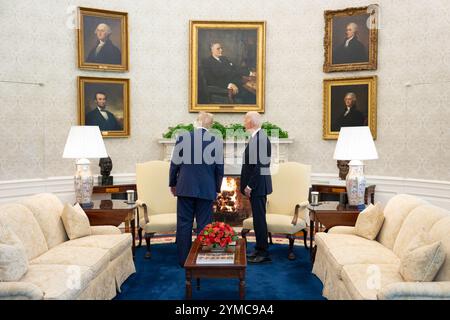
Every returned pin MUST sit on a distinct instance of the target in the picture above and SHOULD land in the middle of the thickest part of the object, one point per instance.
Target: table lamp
(82, 143)
(356, 144)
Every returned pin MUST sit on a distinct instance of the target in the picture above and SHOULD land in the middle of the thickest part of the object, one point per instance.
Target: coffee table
(228, 271)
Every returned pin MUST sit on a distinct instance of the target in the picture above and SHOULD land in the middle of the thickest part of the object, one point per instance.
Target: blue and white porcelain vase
(356, 183)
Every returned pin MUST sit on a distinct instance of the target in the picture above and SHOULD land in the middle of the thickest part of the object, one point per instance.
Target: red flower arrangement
(217, 234)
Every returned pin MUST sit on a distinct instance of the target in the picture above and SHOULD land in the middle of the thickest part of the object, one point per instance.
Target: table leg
(133, 235)
(242, 288)
(127, 225)
(311, 236)
(188, 285)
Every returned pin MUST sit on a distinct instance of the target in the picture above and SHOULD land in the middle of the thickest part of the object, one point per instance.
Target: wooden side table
(335, 190)
(113, 213)
(228, 271)
(329, 214)
(117, 189)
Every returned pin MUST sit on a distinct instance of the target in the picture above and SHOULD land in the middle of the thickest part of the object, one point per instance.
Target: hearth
(231, 206)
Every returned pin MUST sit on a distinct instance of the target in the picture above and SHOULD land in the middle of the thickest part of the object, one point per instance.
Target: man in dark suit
(102, 117)
(256, 182)
(351, 50)
(105, 51)
(220, 72)
(196, 173)
(351, 116)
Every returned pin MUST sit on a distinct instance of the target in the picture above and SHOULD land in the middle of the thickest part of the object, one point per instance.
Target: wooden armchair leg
(305, 235)
(244, 234)
(148, 237)
(140, 237)
(270, 238)
(291, 255)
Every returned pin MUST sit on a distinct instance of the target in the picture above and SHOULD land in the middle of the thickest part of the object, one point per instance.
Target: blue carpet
(161, 278)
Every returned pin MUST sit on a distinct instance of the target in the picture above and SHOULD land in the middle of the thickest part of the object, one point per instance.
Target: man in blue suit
(196, 173)
(256, 182)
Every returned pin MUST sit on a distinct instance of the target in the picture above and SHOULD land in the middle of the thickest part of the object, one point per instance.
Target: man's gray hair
(255, 117)
(205, 119)
(351, 94)
(107, 28)
(354, 26)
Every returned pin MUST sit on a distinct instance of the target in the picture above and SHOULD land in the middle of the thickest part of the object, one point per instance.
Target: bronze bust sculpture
(343, 168)
(105, 170)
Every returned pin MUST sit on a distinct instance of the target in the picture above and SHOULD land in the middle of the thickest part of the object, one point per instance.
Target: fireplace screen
(231, 206)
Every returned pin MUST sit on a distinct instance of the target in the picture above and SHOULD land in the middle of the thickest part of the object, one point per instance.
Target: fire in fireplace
(231, 206)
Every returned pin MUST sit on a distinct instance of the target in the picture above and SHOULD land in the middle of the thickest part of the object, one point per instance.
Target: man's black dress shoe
(252, 255)
(259, 259)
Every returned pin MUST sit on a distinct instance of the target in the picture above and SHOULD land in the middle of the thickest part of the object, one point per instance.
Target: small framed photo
(349, 102)
(227, 66)
(105, 102)
(102, 40)
(351, 39)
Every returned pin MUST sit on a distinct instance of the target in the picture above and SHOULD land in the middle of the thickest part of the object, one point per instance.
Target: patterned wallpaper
(38, 46)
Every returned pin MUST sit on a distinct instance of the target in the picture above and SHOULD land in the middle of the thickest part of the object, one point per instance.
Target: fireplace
(231, 206)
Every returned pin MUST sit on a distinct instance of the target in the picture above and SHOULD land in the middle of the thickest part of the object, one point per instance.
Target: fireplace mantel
(233, 150)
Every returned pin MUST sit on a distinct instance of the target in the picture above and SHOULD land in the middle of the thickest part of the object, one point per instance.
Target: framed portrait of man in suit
(351, 39)
(104, 102)
(227, 66)
(349, 102)
(102, 40)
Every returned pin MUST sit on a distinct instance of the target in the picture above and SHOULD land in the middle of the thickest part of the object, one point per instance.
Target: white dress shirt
(103, 113)
(348, 41)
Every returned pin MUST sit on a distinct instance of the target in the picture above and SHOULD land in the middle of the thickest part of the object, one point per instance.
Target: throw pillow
(13, 256)
(369, 222)
(75, 221)
(422, 259)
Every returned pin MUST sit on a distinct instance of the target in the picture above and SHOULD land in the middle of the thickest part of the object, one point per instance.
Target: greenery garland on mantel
(233, 130)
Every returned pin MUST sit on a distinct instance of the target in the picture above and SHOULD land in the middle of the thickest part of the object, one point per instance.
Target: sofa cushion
(160, 223)
(61, 282)
(96, 259)
(47, 209)
(440, 232)
(116, 244)
(369, 222)
(420, 219)
(23, 223)
(363, 281)
(278, 223)
(75, 221)
(331, 240)
(395, 212)
(13, 257)
(422, 259)
(341, 256)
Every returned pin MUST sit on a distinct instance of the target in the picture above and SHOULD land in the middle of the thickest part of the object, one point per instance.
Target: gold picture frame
(112, 97)
(107, 49)
(363, 110)
(234, 79)
(351, 39)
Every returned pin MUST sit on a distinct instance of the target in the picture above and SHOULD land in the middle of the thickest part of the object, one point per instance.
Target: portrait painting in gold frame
(227, 66)
(105, 102)
(102, 40)
(349, 102)
(351, 39)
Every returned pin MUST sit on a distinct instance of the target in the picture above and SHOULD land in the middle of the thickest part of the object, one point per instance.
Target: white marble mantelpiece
(233, 150)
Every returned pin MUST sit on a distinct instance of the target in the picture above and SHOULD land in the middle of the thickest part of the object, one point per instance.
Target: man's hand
(174, 191)
(248, 191)
(233, 87)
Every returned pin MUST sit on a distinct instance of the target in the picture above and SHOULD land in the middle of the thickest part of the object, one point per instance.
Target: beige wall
(37, 46)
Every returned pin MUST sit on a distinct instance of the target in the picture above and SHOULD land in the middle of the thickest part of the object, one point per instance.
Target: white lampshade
(85, 142)
(355, 143)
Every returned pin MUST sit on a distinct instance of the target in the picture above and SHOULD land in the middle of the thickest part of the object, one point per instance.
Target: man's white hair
(352, 95)
(354, 26)
(107, 28)
(255, 118)
(204, 119)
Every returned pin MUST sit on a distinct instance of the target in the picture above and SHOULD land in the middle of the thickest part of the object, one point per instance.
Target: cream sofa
(352, 267)
(91, 267)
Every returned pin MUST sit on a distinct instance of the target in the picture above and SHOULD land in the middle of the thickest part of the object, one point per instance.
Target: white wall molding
(436, 192)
